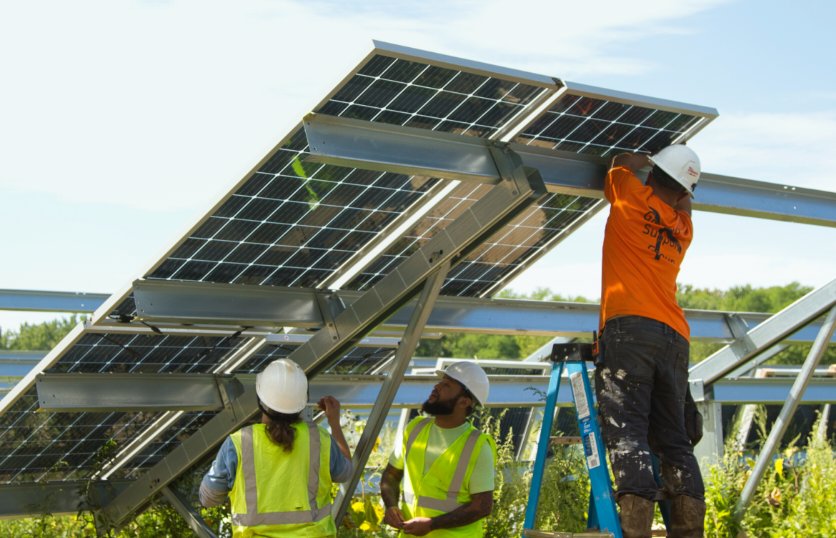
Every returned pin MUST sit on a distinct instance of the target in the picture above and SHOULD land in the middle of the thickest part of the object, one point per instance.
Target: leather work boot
(636, 516)
(687, 517)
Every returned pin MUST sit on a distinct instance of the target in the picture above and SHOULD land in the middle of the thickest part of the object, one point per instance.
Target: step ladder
(603, 517)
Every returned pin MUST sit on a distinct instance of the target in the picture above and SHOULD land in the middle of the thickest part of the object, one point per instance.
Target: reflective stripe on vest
(450, 503)
(253, 518)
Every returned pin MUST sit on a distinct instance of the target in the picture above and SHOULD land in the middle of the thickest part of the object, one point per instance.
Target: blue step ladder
(603, 517)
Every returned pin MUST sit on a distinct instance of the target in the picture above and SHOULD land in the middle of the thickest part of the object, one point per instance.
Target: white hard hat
(681, 163)
(471, 376)
(282, 386)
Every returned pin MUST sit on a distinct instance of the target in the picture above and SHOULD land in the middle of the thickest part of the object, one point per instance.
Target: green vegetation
(39, 336)
(796, 498)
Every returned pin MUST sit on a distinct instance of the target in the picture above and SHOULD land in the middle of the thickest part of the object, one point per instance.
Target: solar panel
(295, 222)
(585, 121)
(41, 446)
(59, 446)
(500, 256)
(291, 223)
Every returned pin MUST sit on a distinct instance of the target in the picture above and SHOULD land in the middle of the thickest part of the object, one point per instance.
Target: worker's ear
(466, 400)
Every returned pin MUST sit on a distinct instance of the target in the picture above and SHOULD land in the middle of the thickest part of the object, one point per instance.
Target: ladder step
(565, 440)
(535, 533)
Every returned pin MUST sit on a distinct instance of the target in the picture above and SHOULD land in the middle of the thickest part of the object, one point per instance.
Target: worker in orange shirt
(641, 380)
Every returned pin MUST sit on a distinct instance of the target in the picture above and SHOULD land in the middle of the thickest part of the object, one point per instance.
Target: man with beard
(448, 464)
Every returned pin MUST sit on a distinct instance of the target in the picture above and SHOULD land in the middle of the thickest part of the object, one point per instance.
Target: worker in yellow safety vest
(278, 473)
(448, 464)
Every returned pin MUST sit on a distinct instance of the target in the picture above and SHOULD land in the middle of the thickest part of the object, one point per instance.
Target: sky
(123, 122)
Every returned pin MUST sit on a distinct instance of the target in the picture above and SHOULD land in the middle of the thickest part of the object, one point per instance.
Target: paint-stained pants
(640, 382)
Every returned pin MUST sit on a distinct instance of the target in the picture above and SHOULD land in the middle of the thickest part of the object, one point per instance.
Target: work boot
(687, 517)
(636, 516)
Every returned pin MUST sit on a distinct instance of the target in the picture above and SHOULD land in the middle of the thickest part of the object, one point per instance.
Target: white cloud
(164, 106)
(577, 38)
(791, 148)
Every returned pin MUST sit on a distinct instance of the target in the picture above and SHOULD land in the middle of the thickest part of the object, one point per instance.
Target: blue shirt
(217, 482)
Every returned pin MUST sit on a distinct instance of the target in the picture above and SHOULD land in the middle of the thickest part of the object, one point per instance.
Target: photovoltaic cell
(583, 124)
(414, 94)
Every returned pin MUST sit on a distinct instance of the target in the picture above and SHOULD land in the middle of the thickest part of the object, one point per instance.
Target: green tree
(39, 336)
(741, 298)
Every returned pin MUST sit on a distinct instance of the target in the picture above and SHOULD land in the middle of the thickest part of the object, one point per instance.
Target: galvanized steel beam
(414, 151)
(135, 392)
(383, 402)
(141, 392)
(50, 301)
(191, 302)
(55, 498)
(766, 334)
(189, 514)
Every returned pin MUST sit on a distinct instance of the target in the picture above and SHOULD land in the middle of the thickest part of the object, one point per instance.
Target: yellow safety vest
(440, 490)
(277, 493)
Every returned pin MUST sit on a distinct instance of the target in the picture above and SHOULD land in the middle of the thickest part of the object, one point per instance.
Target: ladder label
(590, 448)
(581, 403)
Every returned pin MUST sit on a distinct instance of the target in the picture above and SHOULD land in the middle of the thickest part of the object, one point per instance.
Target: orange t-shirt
(644, 243)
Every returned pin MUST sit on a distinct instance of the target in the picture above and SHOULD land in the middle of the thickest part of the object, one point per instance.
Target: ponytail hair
(279, 426)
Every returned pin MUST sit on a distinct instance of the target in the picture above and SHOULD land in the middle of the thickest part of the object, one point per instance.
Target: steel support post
(787, 411)
(383, 403)
(821, 433)
(517, 189)
(184, 508)
(710, 448)
(745, 418)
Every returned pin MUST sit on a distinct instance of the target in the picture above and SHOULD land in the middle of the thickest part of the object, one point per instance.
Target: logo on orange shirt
(663, 235)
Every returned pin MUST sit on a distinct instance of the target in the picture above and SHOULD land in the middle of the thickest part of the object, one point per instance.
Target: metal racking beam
(142, 392)
(765, 335)
(50, 301)
(344, 141)
(67, 497)
(192, 302)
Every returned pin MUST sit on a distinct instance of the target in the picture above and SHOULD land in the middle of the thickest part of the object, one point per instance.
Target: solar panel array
(292, 222)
